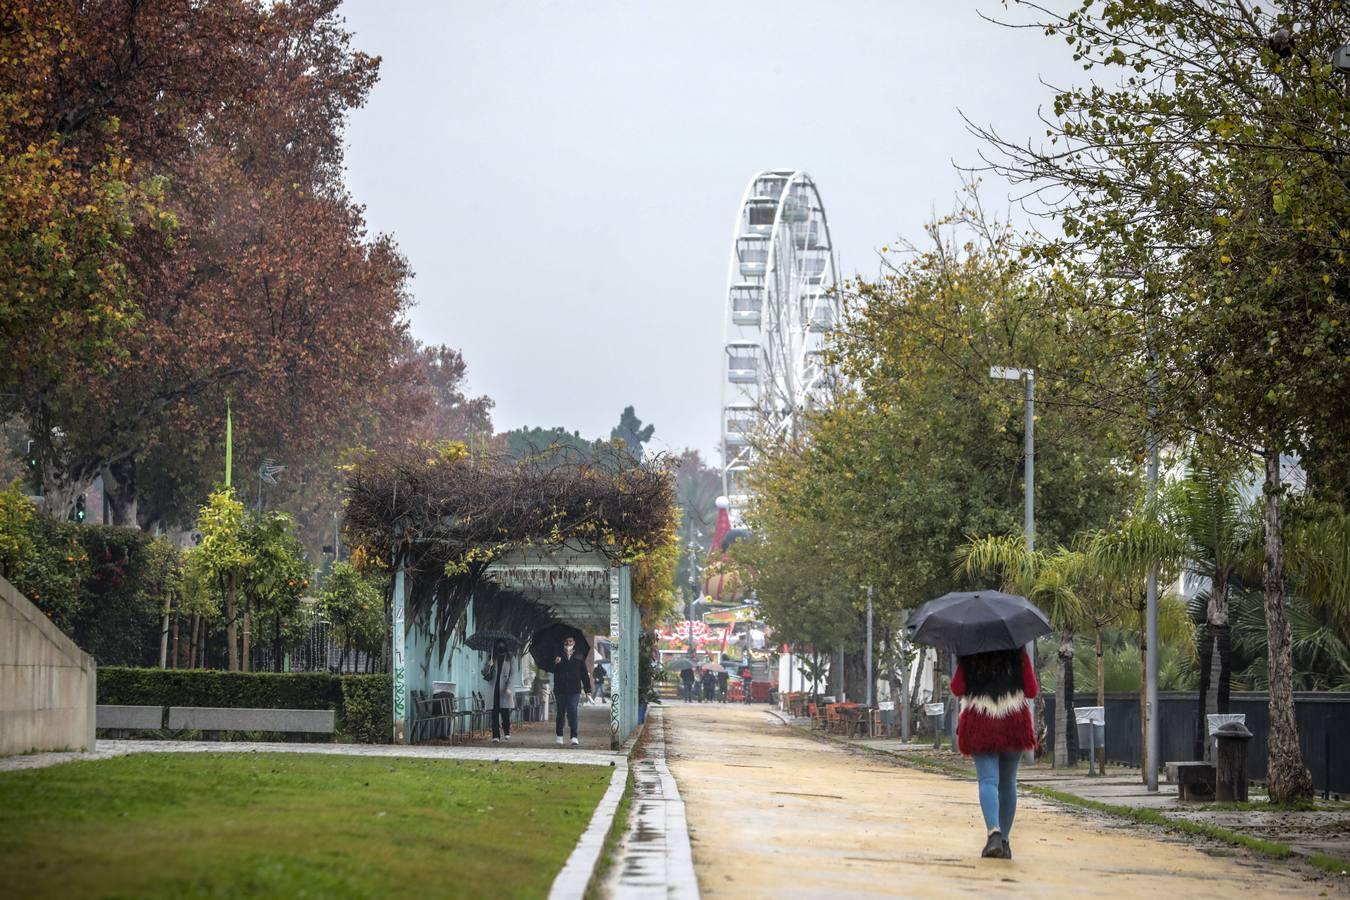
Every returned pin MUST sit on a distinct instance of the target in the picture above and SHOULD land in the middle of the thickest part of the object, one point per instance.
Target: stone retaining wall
(47, 698)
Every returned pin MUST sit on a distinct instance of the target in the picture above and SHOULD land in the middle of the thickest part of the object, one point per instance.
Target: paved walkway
(773, 812)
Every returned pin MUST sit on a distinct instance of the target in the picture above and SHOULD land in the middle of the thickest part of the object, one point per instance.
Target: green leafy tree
(221, 562)
(1209, 173)
(353, 603)
(276, 579)
(631, 432)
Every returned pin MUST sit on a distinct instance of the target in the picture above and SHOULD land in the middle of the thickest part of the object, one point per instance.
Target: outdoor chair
(480, 714)
(460, 718)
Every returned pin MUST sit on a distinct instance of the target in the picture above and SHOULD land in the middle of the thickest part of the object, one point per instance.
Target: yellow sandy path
(775, 813)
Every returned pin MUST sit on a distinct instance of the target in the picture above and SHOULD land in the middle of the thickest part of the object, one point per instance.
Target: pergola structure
(583, 589)
(546, 536)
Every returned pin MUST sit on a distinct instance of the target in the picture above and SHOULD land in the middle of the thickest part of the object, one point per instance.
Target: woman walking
(501, 671)
(995, 728)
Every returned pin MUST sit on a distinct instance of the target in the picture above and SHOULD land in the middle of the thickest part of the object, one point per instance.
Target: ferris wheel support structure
(781, 303)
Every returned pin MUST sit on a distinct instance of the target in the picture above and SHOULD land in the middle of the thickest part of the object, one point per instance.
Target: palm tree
(1209, 511)
(1145, 541)
(1042, 578)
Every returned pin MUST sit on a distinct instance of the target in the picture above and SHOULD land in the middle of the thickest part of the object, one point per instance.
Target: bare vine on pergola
(445, 515)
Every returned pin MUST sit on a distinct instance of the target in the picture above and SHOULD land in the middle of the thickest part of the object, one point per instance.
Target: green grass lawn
(290, 825)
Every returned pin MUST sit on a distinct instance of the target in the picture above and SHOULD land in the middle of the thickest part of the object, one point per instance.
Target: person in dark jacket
(570, 680)
(747, 683)
(709, 685)
(722, 686)
(687, 684)
(995, 729)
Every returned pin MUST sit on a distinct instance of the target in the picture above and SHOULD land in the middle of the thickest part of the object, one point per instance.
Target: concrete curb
(580, 866)
(579, 869)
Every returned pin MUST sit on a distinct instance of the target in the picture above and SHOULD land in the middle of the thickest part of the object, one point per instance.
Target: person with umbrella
(570, 681)
(501, 671)
(996, 682)
(687, 683)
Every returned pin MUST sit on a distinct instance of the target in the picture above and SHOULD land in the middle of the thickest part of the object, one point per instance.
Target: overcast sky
(564, 177)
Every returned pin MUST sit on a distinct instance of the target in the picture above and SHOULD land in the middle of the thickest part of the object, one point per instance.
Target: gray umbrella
(679, 663)
(977, 622)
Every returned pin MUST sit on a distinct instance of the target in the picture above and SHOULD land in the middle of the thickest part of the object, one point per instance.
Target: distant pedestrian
(600, 678)
(747, 682)
(501, 671)
(722, 686)
(995, 728)
(687, 684)
(709, 685)
(570, 680)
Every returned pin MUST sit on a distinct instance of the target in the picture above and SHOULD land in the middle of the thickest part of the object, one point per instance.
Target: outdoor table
(855, 718)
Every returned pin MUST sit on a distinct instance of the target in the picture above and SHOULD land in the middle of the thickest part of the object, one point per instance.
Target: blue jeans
(568, 704)
(997, 773)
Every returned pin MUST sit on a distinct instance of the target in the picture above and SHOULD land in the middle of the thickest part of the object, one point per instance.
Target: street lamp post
(1028, 377)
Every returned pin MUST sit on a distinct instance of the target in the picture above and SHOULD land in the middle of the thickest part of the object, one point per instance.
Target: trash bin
(1212, 725)
(1091, 722)
(1230, 762)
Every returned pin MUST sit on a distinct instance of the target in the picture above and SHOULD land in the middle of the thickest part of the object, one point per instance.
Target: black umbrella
(680, 663)
(483, 641)
(547, 644)
(977, 622)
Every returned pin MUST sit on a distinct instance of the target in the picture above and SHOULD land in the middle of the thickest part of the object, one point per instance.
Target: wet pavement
(774, 812)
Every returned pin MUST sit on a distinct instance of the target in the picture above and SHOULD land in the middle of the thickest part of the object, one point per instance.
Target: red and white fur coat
(996, 716)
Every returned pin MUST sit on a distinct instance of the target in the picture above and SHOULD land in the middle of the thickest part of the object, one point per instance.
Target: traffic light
(31, 458)
(79, 513)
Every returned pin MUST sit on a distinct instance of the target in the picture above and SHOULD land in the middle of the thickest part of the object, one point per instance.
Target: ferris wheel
(781, 303)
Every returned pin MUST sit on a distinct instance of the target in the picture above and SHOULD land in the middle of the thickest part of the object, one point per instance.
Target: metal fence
(1323, 730)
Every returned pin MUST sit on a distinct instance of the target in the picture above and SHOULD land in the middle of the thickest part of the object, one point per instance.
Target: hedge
(363, 702)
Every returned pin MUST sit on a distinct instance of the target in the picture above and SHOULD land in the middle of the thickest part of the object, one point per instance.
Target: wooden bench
(1194, 780)
(128, 718)
(288, 721)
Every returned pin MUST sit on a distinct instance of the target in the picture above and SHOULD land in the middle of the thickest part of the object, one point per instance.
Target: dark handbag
(489, 670)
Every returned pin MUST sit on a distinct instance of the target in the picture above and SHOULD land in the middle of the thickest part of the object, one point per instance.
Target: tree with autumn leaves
(196, 247)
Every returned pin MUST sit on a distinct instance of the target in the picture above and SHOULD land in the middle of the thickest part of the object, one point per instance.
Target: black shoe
(993, 848)
(1007, 849)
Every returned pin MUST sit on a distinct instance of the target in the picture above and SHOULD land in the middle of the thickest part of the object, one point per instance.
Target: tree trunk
(177, 660)
(164, 632)
(1205, 641)
(192, 642)
(276, 642)
(1287, 778)
(1144, 761)
(916, 688)
(231, 632)
(855, 676)
(1215, 659)
(119, 483)
(1101, 698)
(1064, 718)
(248, 637)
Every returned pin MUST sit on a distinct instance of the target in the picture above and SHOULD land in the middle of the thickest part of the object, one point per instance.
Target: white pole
(1029, 500)
(869, 647)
